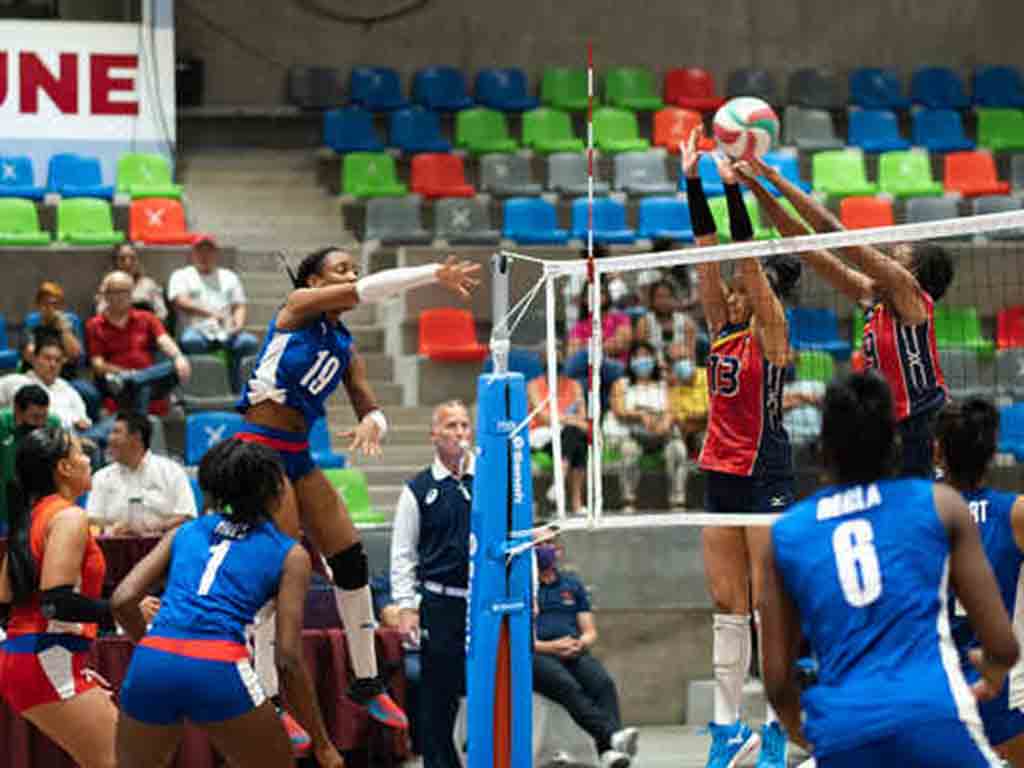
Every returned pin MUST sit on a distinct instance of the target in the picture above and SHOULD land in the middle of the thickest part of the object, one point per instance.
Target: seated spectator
(639, 421)
(50, 305)
(122, 344)
(688, 406)
(663, 326)
(211, 306)
(139, 493)
(31, 410)
(566, 672)
(616, 329)
(146, 292)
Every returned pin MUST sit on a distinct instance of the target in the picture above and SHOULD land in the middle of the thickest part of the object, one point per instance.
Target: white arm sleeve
(393, 282)
(404, 543)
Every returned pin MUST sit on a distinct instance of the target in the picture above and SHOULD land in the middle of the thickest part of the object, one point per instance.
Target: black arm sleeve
(5, 612)
(64, 604)
(739, 219)
(701, 220)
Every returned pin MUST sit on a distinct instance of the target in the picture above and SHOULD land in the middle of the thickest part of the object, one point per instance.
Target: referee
(430, 555)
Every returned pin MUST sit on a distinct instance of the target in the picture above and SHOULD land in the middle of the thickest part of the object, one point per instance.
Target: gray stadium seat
(315, 87)
(507, 175)
(567, 174)
(642, 173)
(1010, 373)
(158, 440)
(464, 221)
(967, 374)
(815, 88)
(999, 204)
(920, 209)
(752, 82)
(209, 386)
(396, 220)
(809, 129)
(1017, 172)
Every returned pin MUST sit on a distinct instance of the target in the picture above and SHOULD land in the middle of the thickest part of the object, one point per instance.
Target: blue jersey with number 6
(867, 567)
(299, 368)
(221, 575)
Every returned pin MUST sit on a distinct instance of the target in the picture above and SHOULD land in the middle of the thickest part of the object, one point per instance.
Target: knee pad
(350, 567)
(731, 640)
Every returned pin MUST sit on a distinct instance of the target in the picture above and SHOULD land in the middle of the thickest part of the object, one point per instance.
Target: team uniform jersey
(867, 567)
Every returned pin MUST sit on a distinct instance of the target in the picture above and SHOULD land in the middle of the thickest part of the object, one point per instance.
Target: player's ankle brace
(350, 568)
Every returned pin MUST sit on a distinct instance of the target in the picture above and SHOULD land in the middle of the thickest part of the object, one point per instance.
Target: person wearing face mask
(664, 327)
(430, 576)
(31, 410)
(688, 407)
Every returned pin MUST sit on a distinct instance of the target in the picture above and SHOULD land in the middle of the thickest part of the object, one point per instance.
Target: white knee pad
(262, 635)
(731, 660)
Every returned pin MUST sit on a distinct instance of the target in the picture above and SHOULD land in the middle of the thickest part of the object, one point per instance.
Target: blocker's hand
(327, 757)
(726, 169)
(689, 154)
(459, 277)
(365, 437)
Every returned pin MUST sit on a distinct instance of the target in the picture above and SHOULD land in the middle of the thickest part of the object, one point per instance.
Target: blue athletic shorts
(746, 495)
(917, 439)
(937, 744)
(1001, 723)
(292, 447)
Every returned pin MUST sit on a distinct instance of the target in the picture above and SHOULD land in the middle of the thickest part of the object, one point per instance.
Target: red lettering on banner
(101, 84)
(3, 76)
(63, 90)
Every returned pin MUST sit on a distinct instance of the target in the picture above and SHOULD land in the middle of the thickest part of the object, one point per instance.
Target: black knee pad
(350, 567)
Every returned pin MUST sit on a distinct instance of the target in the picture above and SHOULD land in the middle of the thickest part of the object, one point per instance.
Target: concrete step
(339, 412)
(414, 420)
(263, 306)
(385, 498)
(368, 339)
(390, 474)
(700, 701)
(394, 453)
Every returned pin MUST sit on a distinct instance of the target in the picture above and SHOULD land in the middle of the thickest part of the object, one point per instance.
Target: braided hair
(967, 432)
(241, 480)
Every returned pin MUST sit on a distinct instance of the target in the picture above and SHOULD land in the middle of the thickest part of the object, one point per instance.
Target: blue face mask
(642, 366)
(684, 370)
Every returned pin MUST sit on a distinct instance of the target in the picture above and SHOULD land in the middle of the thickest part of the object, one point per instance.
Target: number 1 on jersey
(217, 554)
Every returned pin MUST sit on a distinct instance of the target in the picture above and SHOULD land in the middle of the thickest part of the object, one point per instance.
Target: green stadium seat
(19, 223)
(542, 463)
(370, 174)
(354, 491)
(841, 173)
(720, 212)
(564, 88)
(815, 366)
(961, 327)
(86, 221)
(1001, 129)
(632, 88)
(907, 174)
(857, 328)
(145, 175)
(482, 130)
(549, 130)
(615, 130)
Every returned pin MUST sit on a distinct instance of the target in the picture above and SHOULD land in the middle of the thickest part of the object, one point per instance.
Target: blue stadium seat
(875, 130)
(441, 88)
(206, 429)
(351, 130)
(524, 361)
(18, 179)
(664, 217)
(1011, 430)
(415, 129)
(533, 221)
(609, 221)
(504, 89)
(320, 447)
(940, 130)
(32, 319)
(709, 175)
(377, 89)
(938, 88)
(71, 175)
(873, 88)
(788, 165)
(9, 358)
(811, 328)
(997, 87)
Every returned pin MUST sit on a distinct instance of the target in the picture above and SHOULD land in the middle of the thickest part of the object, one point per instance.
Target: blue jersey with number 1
(867, 567)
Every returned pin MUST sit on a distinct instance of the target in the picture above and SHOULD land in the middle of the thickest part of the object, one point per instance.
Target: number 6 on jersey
(857, 562)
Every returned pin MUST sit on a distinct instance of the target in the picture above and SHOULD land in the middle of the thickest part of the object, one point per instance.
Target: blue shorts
(165, 687)
(746, 495)
(291, 447)
(917, 438)
(1001, 723)
(936, 744)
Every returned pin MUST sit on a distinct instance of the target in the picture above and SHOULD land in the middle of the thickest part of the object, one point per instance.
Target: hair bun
(784, 272)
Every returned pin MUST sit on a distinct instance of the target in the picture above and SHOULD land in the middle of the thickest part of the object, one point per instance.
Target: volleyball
(746, 127)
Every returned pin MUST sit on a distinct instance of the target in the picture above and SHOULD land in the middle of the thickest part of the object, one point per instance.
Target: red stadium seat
(673, 125)
(449, 335)
(865, 212)
(440, 175)
(1010, 327)
(973, 174)
(692, 88)
(159, 221)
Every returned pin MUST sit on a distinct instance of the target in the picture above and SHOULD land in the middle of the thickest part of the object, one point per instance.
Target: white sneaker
(626, 740)
(611, 758)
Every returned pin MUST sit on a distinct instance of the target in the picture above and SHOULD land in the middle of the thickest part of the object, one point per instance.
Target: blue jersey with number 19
(867, 567)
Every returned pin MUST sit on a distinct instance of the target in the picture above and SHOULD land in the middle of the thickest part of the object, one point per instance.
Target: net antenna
(500, 341)
(594, 483)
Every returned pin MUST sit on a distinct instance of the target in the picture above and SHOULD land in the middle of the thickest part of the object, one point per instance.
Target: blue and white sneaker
(773, 747)
(731, 744)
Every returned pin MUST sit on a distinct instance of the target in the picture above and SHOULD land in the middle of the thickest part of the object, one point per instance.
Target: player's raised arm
(372, 427)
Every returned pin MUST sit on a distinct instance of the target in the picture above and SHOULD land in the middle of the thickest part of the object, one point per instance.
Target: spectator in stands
(122, 341)
(566, 672)
(616, 329)
(802, 403)
(147, 293)
(211, 304)
(688, 408)
(31, 410)
(50, 305)
(665, 327)
(139, 493)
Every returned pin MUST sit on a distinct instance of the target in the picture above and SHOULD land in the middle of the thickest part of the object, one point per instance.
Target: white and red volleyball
(746, 127)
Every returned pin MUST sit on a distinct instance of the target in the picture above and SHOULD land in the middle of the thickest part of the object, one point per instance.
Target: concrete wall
(782, 35)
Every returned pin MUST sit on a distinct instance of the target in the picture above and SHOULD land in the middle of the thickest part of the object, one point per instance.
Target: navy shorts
(917, 437)
(1001, 722)
(756, 494)
(937, 744)
(291, 447)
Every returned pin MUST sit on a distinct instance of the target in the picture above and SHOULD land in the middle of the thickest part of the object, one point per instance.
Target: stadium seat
(1001, 130)
(351, 130)
(320, 447)
(439, 175)
(999, 204)
(565, 88)
(315, 87)
(143, 174)
(352, 487)
(1010, 373)
(997, 87)
(33, 319)
(209, 386)
(632, 88)
(549, 130)
(815, 88)
(441, 88)
(967, 373)
(86, 221)
(204, 430)
(533, 221)
(973, 174)
(464, 221)
(788, 165)
(1010, 327)
(866, 212)
(816, 329)
(907, 174)
(615, 130)
(692, 88)
(158, 438)
(672, 126)
(664, 217)
(395, 220)
(524, 361)
(378, 89)
(567, 175)
(72, 175)
(1017, 172)
(922, 209)
(940, 130)
(448, 334)
(370, 174)
(609, 221)
(873, 88)
(875, 130)
(1011, 430)
(480, 130)
(960, 327)
(841, 173)
(642, 173)
(938, 88)
(720, 211)
(415, 129)
(813, 365)
(809, 130)
(18, 179)
(508, 175)
(9, 358)
(503, 89)
(758, 83)
(159, 221)
(19, 223)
